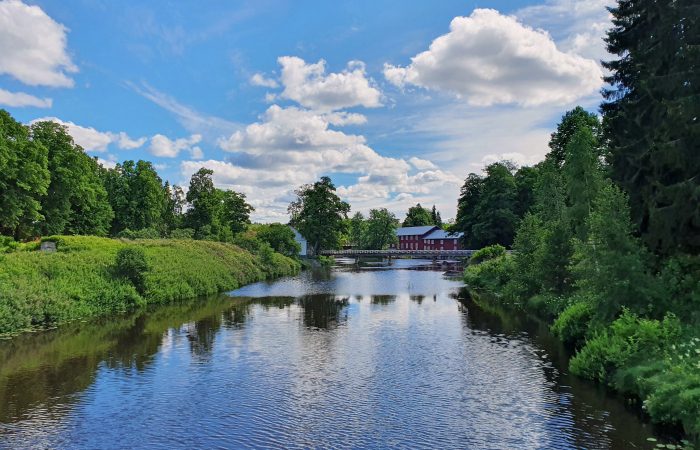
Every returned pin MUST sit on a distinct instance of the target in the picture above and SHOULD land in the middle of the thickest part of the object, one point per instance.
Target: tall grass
(78, 281)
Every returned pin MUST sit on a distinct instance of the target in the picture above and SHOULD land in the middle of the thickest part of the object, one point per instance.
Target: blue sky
(396, 101)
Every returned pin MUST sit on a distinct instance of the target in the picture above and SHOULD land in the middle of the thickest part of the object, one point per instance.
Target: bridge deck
(430, 254)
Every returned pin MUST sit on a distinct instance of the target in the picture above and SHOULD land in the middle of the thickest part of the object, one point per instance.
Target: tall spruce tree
(652, 118)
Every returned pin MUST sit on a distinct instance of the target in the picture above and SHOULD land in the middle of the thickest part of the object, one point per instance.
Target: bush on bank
(83, 279)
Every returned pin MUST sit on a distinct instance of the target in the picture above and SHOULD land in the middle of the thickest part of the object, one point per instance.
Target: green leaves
(319, 214)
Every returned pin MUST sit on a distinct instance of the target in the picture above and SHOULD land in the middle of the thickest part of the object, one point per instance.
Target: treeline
(50, 186)
(608, 249)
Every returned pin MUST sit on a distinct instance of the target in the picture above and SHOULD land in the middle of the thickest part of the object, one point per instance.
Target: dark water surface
(351, 359)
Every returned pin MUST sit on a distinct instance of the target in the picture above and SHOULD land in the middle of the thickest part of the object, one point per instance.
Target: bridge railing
(396, 252)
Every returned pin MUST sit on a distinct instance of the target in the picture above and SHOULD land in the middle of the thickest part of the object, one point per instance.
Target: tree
(435, 216)
(583, 177)
(357, 230)
(318, 214)
(496, 218)
(651, 118)
(280, 237)
(612, 266)
(571, 122)
(76, 201)
(381, 229)
(526, 182)
(466, 207)
(417, 216)
(235, 211)
(24, 178)
(203, 215)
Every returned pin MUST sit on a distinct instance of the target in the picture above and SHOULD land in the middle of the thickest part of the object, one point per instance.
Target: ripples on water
(368, 359)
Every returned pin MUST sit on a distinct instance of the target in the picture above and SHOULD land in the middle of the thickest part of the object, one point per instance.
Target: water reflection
(323, 311)
(369, 358)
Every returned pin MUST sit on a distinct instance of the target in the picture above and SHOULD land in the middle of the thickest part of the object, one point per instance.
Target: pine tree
(651, 118)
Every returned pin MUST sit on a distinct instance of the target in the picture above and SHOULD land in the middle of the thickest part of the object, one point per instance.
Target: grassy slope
(39, 289)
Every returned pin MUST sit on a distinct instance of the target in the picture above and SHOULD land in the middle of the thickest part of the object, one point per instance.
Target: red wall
(415, 242)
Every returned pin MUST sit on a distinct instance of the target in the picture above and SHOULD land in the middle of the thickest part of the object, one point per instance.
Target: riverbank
(79, 280)
(654, 361)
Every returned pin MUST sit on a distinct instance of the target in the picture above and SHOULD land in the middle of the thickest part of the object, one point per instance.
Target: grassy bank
(80, 280)
(654, 360)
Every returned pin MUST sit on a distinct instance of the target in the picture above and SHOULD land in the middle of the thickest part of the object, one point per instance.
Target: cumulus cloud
(34, 46)
(311, 87)
(19, 99)
(165, 147)
(421, 164)
(488, 58)
(577, 27)
(292, 146)
(93, 140)
(259, 79)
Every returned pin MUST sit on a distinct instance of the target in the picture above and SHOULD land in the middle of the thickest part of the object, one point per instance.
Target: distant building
(442, 240)
(301, 241)
(411, 238)
(428, 237)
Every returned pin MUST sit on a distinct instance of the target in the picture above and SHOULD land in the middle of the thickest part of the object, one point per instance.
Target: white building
(301, 241)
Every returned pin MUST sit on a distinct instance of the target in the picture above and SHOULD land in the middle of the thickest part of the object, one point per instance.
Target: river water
(370, 358)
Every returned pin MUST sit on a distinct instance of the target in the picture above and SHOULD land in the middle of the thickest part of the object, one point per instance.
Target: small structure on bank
(301, 240)
(48, 246)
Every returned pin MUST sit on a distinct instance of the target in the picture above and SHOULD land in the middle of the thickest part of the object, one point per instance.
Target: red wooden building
(427, 238)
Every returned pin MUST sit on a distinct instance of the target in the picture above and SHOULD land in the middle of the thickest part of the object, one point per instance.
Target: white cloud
(577, 27)
(125, 142)
(488, 58)
(210, 127)
(421, 164)
(19, 99)
(292, 146)
(259, 79)
(308, 85)
(33, 46)
(165, 147)
(93, 140)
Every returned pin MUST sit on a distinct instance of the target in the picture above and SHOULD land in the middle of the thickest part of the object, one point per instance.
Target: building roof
(414, 231)
(442, 234)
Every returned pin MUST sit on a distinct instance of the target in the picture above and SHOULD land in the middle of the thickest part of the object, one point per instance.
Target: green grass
(40, 289)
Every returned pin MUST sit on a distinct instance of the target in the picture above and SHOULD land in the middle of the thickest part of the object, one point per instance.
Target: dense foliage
(319, 214)
(377, 232)
(49, 185)
(579, 262)
(418, 216)
(491, 206)
(91, 276)
(651, 118)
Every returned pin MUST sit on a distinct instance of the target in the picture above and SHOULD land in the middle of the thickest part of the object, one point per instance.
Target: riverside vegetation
(90, 276)
(165, 245)
(607, 247)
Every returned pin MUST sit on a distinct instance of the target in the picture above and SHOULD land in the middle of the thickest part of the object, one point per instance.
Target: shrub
(7, 244)
(572, 324)
(627, 341)
(131, 264)
(182, 233)
(491, 274)
(486, 253)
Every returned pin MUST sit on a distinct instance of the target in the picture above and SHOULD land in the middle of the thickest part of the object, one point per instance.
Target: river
(370, 358)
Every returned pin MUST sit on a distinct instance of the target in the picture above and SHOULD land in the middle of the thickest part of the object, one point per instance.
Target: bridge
(395, 253)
